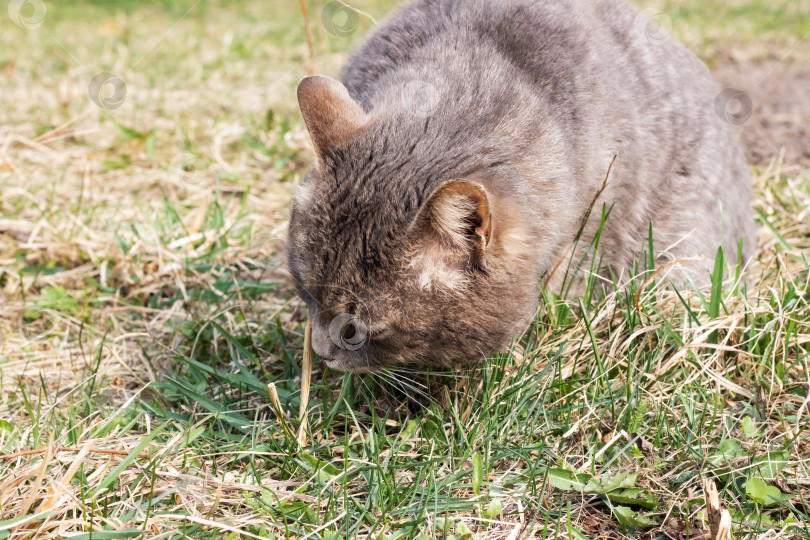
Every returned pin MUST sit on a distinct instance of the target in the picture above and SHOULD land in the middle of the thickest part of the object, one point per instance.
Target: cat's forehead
(361, 202)
(350, 241)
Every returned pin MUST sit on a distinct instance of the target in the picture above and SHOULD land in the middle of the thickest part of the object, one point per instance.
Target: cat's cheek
(434, 272)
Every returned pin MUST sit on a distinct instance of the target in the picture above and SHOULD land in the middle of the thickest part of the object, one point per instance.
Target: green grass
(733, 24)
(144, 310)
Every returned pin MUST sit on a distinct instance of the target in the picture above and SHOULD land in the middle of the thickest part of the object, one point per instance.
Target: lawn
(151, 345)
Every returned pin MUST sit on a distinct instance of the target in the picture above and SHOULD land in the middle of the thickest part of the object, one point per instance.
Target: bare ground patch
(780, 117)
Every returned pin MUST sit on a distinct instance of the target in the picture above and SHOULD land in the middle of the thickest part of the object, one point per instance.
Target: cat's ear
(329, 112)
(453, 230)
(459, 213)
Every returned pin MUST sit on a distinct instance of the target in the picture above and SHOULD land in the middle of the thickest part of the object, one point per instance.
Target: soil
(780, 114)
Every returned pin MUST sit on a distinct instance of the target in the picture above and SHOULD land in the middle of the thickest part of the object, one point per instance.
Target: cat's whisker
(424, 394)
(391, 382)
(393, 373)
(393, 379)
(364, 383)
(382, 383)
(458, 377)
(459, 374)
(404, 384)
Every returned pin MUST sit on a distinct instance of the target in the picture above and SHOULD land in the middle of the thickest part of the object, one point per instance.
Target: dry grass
(144, 309)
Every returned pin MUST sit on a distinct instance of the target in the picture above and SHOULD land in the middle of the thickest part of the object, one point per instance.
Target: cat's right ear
(452, 233)
(329, 112)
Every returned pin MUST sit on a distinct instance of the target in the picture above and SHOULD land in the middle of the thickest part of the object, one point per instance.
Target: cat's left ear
(452, 231)
(330, 113)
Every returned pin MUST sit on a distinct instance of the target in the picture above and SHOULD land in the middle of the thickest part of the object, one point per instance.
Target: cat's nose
(322, 343)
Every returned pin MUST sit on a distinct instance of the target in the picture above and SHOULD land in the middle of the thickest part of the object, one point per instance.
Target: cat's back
(571, 83)
(566, 39)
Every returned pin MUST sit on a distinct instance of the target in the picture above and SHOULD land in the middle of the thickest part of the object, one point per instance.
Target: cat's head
(401, 252)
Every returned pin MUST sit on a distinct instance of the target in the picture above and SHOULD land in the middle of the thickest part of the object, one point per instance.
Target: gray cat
(458, 158)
